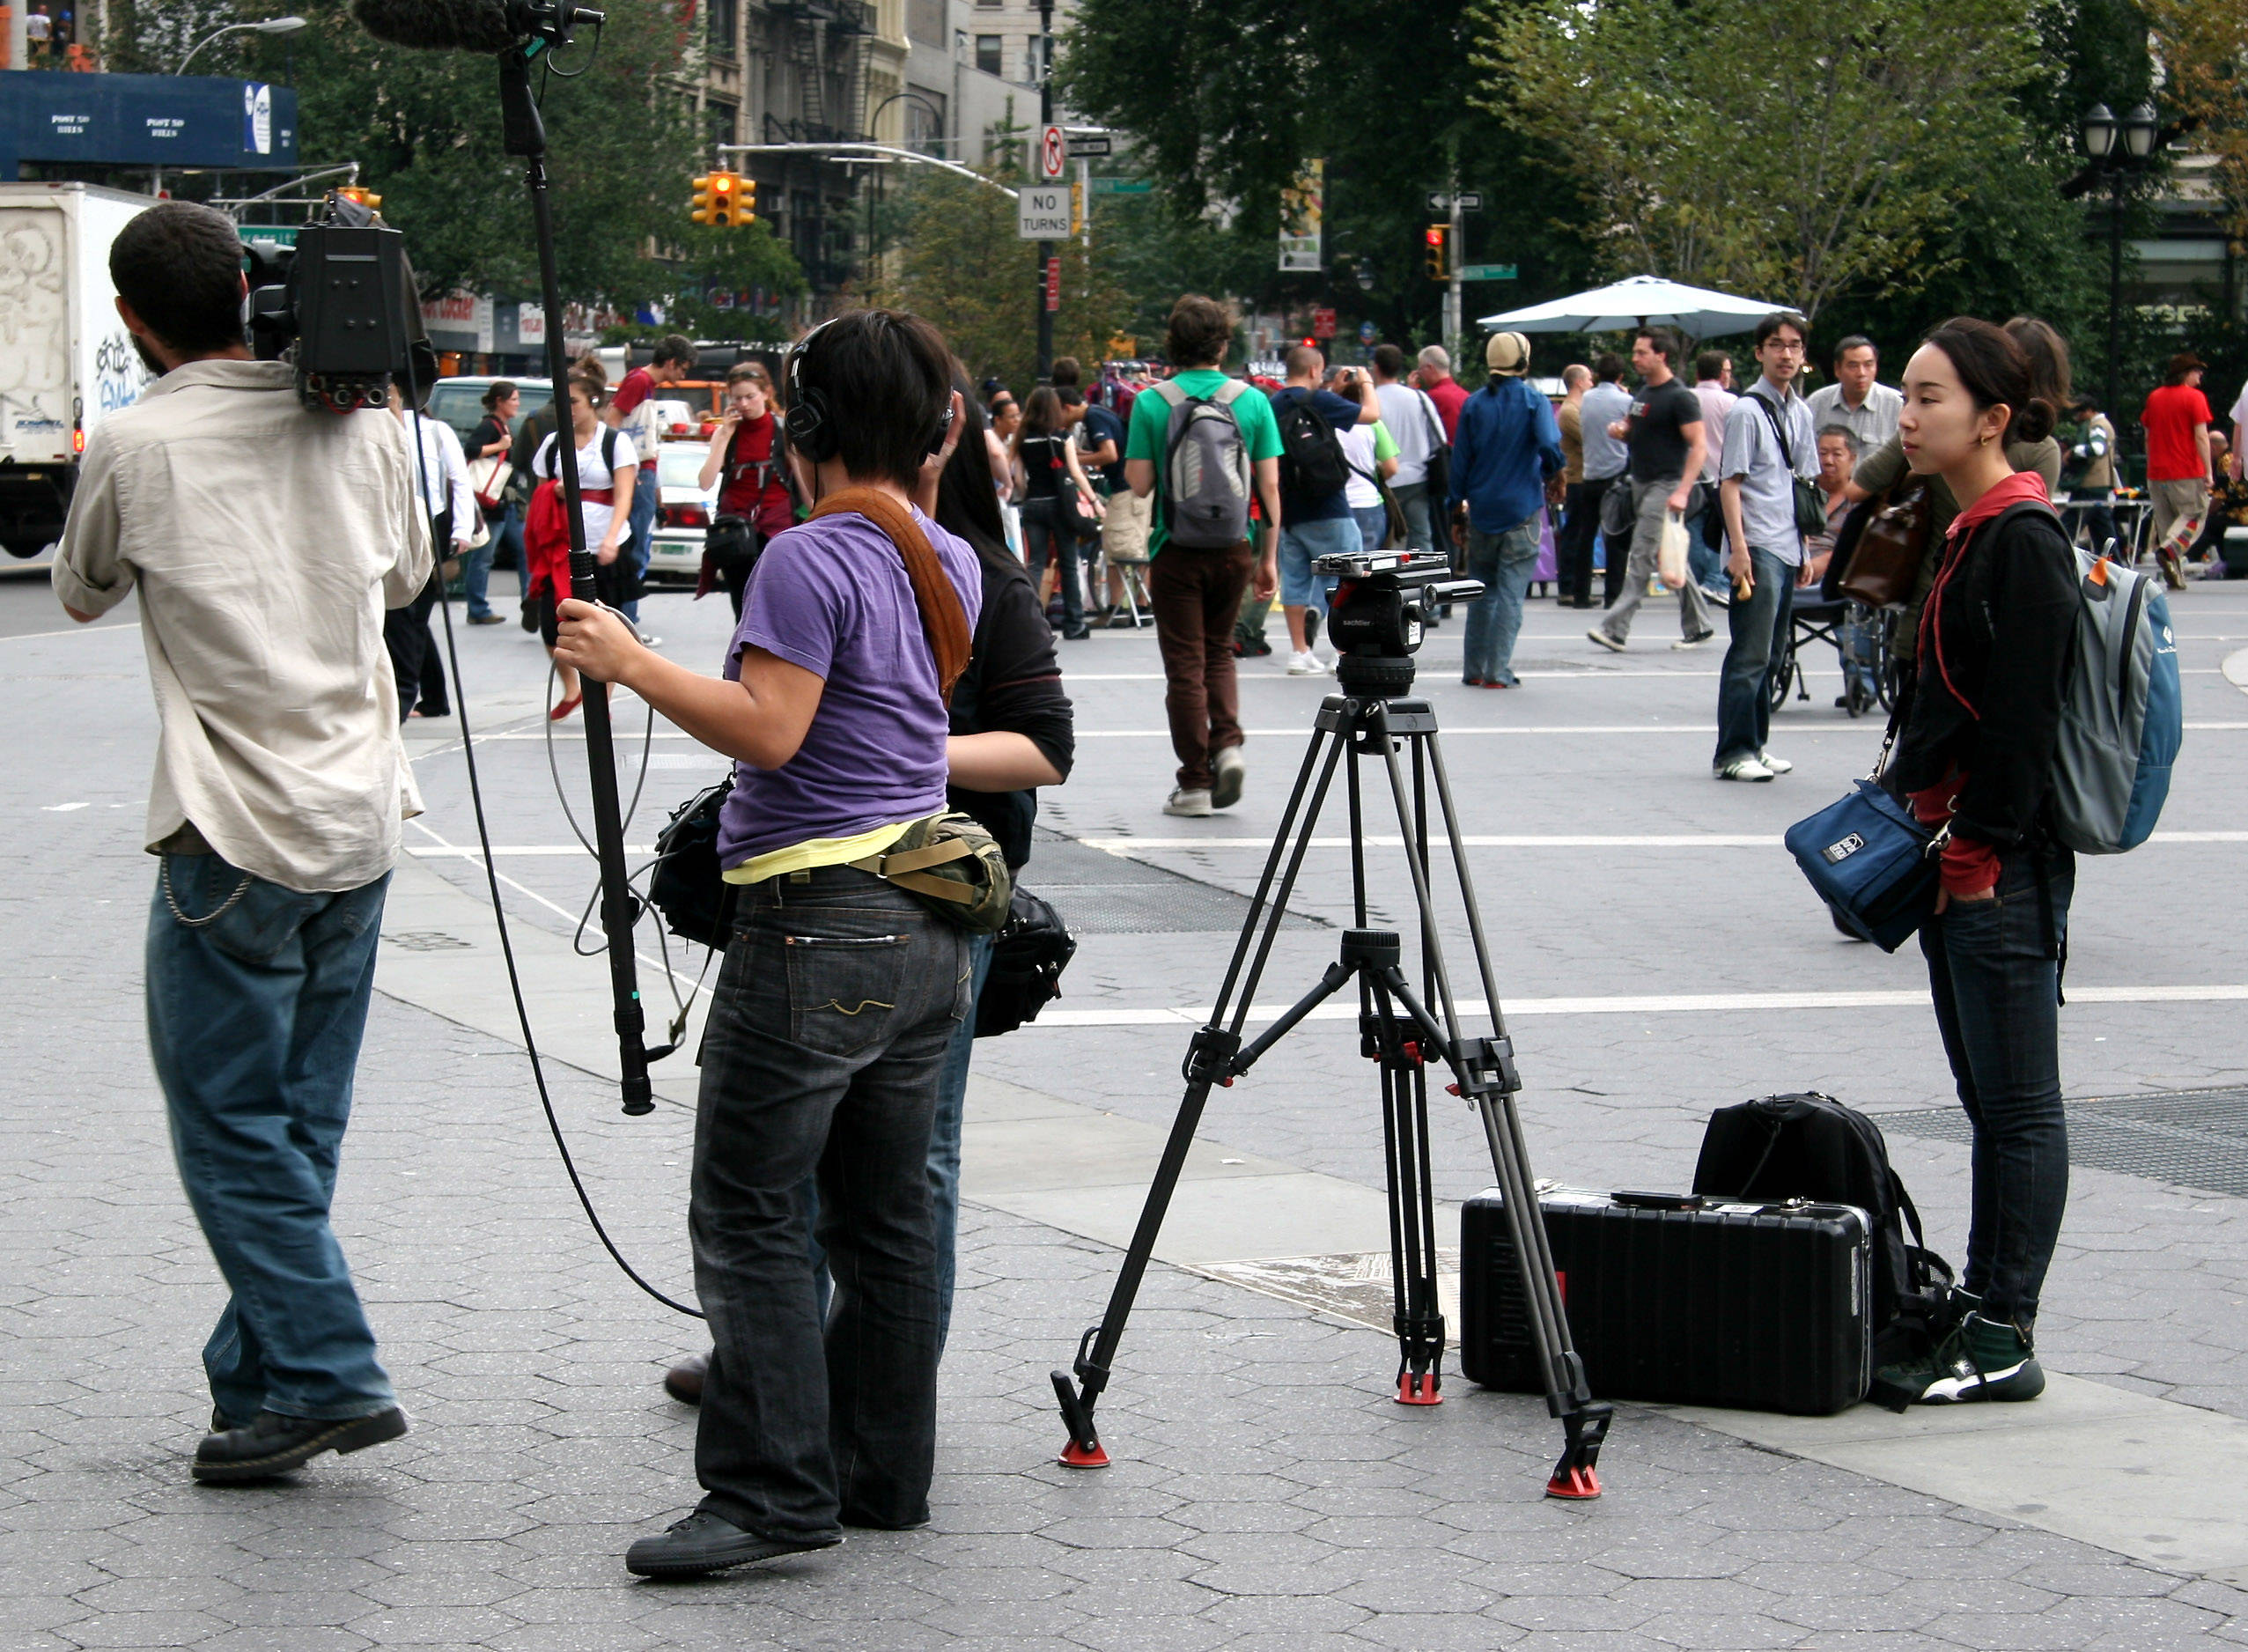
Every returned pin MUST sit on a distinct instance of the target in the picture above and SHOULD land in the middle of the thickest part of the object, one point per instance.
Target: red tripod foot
(1579, 1483)
(1418, 1388)
(1076, 1456)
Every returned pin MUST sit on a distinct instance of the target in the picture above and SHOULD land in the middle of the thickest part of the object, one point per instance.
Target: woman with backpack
(1976, 758)
(747, 452)
(608, 467)
(1053, 481)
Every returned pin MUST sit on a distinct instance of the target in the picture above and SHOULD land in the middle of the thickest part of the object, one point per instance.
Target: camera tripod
(1401, 1029)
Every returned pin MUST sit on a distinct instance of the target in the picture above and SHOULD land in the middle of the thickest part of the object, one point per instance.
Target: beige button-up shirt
(265, 540)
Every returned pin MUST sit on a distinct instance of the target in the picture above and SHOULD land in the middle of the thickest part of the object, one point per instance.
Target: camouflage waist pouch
(953, 867)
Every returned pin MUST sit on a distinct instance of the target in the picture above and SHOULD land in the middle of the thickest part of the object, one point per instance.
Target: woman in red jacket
(747, 464)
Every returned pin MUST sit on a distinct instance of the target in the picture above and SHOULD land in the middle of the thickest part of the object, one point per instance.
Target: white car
(683, 513)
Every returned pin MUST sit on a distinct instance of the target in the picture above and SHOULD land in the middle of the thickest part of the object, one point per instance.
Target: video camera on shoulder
(1381, 608)
(341, 307)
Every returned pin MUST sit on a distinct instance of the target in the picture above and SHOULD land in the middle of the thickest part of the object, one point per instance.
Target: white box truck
(66, 361)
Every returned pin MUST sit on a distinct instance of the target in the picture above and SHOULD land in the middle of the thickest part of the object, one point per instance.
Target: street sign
(1041, 213)
(1123, 186)
(1053, 151)
(1486, 272)
(1367, 332)
(1471, 201)
(1441, 201)
(1323, 323)
(1053, 284)
(1080, 148)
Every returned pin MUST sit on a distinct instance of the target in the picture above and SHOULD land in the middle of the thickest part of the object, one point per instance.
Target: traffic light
(367, 198)
(706, 209)
(724, 197)
(1437, 249)
(745, 199)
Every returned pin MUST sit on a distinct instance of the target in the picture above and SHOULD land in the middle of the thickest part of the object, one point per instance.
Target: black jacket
(1013, 682)
(1987, 693)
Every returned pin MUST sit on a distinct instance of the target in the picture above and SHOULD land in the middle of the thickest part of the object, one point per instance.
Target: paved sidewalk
(1266, 1492)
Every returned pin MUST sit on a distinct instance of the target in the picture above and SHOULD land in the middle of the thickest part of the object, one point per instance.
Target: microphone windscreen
(438, 25)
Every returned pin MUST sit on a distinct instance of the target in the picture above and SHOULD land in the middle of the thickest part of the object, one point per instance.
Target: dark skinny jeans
(1996, 986)
(828, 1030)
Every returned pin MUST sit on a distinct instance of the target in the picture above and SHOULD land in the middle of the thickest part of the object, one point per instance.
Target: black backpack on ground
(1811, 1146)
(1312, 465)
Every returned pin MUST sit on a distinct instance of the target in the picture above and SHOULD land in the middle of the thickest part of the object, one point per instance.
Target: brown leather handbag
(1886, 562)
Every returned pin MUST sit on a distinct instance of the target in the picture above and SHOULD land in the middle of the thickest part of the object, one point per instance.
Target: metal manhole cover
(2187, 1137)
(428, 940)
(1101, 894)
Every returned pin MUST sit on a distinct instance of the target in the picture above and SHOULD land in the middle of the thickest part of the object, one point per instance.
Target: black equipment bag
(1681, 1300)
(1809, 1145)
(686, 885)
(1312, 465)
(731, 544)
(1027, 958)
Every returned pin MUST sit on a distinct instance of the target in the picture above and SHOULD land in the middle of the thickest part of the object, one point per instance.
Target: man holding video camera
(265, 541)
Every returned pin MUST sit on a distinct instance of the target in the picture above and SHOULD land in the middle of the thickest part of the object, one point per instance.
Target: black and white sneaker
(1983, 1360)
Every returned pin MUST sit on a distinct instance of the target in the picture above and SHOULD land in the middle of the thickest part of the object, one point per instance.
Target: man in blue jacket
(1506, 450)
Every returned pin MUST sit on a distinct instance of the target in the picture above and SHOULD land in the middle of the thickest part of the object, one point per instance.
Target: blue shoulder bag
(1870, 860)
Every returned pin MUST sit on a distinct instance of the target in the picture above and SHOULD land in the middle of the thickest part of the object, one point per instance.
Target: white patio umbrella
(1638, 301)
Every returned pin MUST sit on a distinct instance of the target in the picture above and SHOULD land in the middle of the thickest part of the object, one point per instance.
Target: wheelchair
(1820, 620)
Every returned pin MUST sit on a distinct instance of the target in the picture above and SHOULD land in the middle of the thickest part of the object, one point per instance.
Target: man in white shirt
(1605, 458)
(1857, 400)
(442, 473)
(265, 541)
(1410, 418)
(1713, 378)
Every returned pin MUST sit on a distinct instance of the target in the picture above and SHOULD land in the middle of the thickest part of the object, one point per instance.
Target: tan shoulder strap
(944, 618)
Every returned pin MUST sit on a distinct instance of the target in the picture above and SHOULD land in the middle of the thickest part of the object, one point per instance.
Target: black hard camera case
(1681, 1299)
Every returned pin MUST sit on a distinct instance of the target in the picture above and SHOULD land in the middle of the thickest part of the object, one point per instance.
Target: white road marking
(1673, 1004)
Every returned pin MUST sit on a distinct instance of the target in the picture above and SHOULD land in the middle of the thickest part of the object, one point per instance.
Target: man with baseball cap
(1505, 456)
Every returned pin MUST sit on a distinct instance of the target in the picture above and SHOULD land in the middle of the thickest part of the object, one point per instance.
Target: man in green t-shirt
(1194, 590)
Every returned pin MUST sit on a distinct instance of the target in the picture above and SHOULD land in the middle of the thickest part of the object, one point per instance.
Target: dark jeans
(1572, 550)
(1996, 986)
(1196, 594)
(839, 999)
(1705, 544)
(257, 997)
(1744, 683)
(1048, 525)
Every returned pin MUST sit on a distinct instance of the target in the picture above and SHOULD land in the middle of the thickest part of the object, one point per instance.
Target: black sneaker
(273, 1444)
(702, 1543)
(1983, 1360)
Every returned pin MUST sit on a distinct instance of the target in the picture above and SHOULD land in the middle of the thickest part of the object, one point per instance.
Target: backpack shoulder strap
(608, 451)
(1170, 394)
(1778, 431)
(1226, 394)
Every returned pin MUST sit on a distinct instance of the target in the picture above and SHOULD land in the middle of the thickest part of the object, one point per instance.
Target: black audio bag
(1028, 957)
(1809, 1145)
(1681, 1300)
(686, 884)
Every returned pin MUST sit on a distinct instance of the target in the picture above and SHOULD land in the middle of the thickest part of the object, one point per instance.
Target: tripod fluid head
(1379, 613)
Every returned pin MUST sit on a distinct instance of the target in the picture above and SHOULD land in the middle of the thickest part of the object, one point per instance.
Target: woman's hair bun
(2034, 420)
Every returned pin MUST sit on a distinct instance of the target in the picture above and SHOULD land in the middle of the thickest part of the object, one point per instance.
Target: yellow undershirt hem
(816, 851)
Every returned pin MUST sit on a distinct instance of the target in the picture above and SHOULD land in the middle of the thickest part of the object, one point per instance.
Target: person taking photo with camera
(265, 541)
(840, 992)
(746, 464)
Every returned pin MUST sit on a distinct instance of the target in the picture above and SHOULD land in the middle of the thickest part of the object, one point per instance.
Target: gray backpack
(1205, 469)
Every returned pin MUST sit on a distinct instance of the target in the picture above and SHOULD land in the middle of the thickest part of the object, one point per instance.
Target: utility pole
(1455, 323)
(1045, 249)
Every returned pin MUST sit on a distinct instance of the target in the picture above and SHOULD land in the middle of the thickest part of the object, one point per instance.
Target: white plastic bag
(1670, 552)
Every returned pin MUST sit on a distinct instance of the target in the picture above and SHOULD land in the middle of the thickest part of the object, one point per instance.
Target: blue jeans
(1996, 985)
(1744, 683)
(1300, 545)
(1705, 547)
(476, 574)
(1504, 562)
(830, 1027)
(1857, 634)
(1050, 533)
(1372, 524)
(257, 997)
(1413, 499)
(642, 542)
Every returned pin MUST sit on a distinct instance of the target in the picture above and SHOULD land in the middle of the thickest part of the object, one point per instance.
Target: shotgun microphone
(471, 26)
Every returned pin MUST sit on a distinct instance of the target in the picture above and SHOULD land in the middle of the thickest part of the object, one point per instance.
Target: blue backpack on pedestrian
(2122, 713)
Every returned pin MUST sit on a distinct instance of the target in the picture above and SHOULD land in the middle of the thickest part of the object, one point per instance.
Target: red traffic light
(1436, 235)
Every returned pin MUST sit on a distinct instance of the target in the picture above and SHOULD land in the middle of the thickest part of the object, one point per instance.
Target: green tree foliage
(957, 262)
(425, 129)
(1781, 147)
(1225, 99)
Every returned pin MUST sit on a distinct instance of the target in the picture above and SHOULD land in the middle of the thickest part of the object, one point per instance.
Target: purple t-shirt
(832, 596)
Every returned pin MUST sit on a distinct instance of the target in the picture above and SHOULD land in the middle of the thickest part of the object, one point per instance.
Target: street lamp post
(1045, 249)
(2100, 129)
(269, 26)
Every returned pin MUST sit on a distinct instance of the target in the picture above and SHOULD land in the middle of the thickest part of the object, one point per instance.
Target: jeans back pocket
(238, 912)
(843, 990)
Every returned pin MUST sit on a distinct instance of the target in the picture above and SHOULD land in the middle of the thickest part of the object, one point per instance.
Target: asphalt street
(1659, 956)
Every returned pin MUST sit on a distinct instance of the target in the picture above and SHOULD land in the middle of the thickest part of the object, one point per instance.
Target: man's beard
(156, 369)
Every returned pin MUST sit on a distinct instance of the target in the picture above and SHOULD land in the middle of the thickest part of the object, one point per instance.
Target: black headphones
(810, 425)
